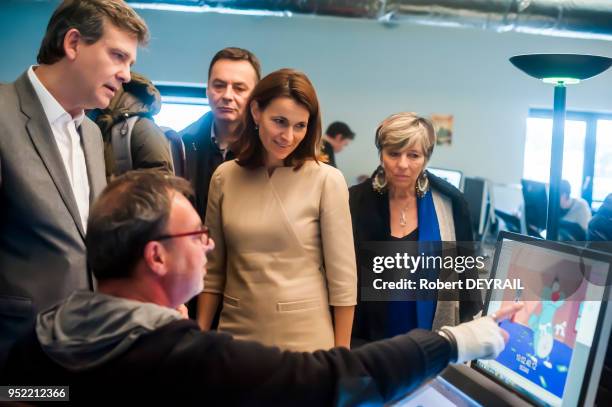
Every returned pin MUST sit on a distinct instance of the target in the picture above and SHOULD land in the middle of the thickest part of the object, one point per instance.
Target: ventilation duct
(570, 18)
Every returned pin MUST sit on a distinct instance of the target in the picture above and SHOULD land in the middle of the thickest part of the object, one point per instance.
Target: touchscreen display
(551, 338)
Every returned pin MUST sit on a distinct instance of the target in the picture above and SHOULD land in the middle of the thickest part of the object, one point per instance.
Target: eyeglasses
(203, 233)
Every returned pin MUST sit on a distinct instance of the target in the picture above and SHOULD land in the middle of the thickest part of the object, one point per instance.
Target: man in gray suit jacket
(51, 155)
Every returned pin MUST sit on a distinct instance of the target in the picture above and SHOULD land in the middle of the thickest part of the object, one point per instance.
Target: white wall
(363, 71)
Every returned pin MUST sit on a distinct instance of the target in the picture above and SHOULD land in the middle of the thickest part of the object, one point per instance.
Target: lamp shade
(569, 66)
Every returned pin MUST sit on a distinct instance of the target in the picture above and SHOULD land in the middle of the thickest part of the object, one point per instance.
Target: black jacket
(371, 222)
(600, 226)
(178, 363)
(202, 157)
(328, 150)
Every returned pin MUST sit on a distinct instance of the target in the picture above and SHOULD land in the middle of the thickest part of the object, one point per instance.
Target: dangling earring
(256, 127)
(422, 185)
(379, 181)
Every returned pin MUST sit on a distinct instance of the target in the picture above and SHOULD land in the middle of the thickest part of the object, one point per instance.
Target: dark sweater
(202, 158)
(180, 364)
(600, 226)
(328, 150)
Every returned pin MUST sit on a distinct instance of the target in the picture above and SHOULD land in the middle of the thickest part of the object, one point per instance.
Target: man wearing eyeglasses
(147, 248)
(51, 155)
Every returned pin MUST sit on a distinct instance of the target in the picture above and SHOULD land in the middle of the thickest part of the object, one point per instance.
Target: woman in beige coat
(281, 222)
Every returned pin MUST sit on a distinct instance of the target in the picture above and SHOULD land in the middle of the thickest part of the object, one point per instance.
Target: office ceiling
(590, 19)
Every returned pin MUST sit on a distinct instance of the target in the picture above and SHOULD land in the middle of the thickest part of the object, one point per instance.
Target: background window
(602, 180)
(538, 142)
(177, 116)
(587, 152)
(182, 104)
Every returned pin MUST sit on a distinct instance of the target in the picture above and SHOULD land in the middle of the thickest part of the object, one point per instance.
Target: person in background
(336, 138)
(574, 210)
(146, 146)
(232, 75)
(600, 226)
(52, 166)
(282, 225)
(147, 248)
(599, 237)
(402, 202)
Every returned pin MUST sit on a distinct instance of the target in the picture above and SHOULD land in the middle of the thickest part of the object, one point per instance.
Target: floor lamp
(560, 70)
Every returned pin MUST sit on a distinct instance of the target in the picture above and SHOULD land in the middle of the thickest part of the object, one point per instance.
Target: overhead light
(564, 81)
(559, 70)
(551, 68)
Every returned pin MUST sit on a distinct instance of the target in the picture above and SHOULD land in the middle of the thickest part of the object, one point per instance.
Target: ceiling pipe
(591, 19)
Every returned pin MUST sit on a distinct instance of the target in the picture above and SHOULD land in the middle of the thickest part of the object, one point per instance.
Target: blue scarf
(401, 313)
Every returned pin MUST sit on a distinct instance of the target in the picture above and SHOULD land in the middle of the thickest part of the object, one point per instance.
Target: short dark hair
(88, 16)
(131, 211)
(565, 188)
(282, 83)
(236, 54)
(340, 128)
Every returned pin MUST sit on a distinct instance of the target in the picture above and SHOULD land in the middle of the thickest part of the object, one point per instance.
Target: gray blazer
(42, 241)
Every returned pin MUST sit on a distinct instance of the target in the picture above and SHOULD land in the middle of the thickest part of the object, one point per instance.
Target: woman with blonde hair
(402, 202)
(281, 223)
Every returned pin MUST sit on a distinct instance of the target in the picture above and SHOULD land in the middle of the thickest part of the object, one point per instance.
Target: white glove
(477, 339)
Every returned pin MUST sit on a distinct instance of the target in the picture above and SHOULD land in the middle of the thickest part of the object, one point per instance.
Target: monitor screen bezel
(461, 176)
(566, 248)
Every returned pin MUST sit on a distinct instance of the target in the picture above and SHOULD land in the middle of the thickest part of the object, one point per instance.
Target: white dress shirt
(68, 141)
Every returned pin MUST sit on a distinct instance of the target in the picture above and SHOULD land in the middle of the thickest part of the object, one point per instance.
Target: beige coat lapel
(283, 216)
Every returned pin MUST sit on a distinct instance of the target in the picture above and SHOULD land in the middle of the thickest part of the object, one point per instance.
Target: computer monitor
(509, 207)
(536, 205)
(508, 198)
(475, 192)
(558, 340)
(453, 177)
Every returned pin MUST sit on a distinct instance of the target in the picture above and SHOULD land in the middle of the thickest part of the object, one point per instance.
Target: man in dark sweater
(147, 247)
(232, 75)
